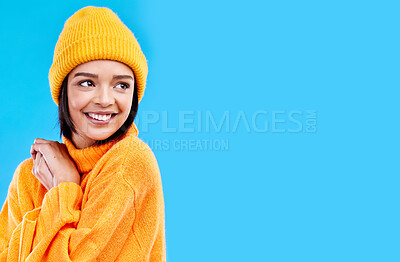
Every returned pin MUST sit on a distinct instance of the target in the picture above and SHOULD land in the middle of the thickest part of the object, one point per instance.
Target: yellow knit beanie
(94, 33)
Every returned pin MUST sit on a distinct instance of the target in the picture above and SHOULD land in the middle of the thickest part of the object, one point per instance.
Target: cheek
(76, 102)
(125, 104)
(74, 105)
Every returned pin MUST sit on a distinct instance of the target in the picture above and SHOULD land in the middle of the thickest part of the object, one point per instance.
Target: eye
(86, 83)
(123, 86)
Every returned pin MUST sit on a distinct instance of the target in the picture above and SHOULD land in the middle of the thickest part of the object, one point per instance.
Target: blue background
(327, 195)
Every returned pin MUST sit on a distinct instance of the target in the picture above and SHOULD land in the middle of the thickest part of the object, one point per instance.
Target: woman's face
(100, 95)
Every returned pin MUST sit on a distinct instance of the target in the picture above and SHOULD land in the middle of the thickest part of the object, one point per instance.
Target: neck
(85, 156)
(81, 142)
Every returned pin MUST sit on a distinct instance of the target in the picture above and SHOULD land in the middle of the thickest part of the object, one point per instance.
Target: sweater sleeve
(10, 215)
(60, 230)
(149, 226)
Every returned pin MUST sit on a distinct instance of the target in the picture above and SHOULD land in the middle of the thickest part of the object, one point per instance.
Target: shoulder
(23, 180)
(137, 162)
(23, 172)
(24, 165)
(132, 150)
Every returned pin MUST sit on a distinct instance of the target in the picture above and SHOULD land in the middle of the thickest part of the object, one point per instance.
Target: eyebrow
(97, 76)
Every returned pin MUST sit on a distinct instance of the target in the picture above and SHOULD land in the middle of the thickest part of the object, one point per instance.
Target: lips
(101, 112)
(100, 118)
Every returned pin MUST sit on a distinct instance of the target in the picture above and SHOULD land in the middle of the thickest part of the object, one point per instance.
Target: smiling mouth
(100, 117)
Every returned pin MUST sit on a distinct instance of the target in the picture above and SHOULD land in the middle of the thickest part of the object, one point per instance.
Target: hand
(52, 164)
(41, 171)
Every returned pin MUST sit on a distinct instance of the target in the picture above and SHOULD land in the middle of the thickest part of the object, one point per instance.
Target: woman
(98, 195)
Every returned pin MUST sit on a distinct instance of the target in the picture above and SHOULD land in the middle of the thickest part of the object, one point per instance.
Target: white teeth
(100, 117)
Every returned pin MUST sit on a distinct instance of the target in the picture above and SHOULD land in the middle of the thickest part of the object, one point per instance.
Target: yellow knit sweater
(116, 214)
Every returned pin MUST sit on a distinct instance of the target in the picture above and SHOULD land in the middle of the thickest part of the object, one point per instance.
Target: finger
(44, 148)
(46, 173)
(35, 160)
(43, 181)
(45, 170)
(41, 141)
(35, 147)
(43, 167)
(33, 152)
(43, 174)
(38, 161)
(35, 165)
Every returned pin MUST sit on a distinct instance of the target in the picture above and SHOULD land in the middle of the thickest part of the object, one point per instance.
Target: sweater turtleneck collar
(86, 158)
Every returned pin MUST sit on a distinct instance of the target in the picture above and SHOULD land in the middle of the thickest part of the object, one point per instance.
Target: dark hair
(67, 126)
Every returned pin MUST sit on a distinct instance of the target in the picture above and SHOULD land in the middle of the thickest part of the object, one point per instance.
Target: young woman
(98, 195)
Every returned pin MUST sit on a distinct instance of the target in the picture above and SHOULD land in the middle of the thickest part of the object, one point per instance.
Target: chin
(100, 134)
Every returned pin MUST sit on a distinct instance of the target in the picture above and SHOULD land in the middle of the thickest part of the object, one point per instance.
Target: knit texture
(116, 214)
(94, 33)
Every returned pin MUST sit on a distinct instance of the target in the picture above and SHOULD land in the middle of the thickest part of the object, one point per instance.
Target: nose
(104, 96)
